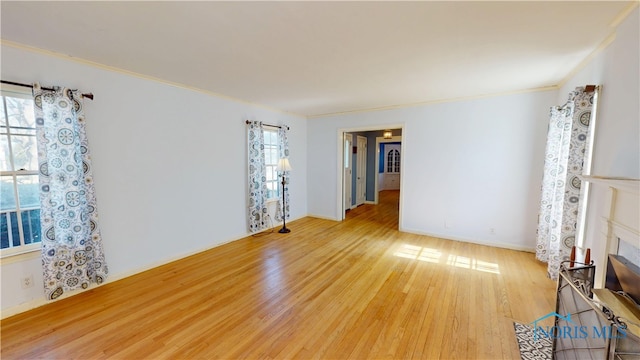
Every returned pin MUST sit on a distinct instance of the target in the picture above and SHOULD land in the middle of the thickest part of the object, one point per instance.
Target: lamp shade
(283, 165)
(387, 134)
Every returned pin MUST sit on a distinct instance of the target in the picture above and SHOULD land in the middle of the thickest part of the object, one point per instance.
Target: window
(271, 157)
(393, 161)
(19, 190)
(347, 153)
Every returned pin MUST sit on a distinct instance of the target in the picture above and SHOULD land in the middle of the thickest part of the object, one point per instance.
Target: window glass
(31, 226)
(347, 153)
(25, 152)
(28, 191)
(19, 185)
(271, 157)
(5, 156)
(7, 193)
(393, 161)
(20, 112)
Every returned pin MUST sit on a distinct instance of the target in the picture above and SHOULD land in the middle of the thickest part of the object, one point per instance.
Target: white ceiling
(314, 58)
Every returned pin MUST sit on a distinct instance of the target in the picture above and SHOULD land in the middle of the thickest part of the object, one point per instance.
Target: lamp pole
(284, 209)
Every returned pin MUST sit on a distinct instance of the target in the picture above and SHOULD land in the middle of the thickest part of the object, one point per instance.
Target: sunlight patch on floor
(435, 256)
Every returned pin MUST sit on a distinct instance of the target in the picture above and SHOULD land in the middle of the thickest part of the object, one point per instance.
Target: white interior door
(348, 143)
(361, 170)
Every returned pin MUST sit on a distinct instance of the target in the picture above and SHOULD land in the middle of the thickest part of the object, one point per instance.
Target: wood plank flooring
(356, 289)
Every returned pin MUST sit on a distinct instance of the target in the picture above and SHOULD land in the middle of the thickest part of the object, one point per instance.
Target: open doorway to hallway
(386, 211)
(371, 166)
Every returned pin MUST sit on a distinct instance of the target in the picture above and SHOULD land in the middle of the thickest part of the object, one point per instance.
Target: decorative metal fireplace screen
(584, 328)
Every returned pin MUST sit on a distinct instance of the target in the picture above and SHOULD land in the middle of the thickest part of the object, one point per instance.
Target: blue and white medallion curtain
(567, 140)
(283, 151)
(72, 251)
(257, 177)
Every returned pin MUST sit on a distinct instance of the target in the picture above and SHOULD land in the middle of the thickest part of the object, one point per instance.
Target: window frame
(22, 248)
(271, 163)
(393, 161)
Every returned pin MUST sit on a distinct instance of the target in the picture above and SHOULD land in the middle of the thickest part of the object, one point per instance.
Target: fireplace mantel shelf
(621, 183)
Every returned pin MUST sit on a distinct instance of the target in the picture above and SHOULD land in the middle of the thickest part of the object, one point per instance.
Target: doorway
(388, 164)
(360, 184)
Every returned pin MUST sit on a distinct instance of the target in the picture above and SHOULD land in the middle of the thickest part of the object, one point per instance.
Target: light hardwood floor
(332, 290)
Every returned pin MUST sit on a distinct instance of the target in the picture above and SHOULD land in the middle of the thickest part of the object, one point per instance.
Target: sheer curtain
(257, 177)
(561, 192)
(72, 251)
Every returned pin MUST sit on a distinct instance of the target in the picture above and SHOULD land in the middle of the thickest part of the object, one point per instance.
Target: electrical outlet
(492, 231)
(27, 282)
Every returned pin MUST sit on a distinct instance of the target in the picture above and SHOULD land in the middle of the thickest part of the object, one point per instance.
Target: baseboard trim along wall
(29, 305)
(112, 278)
(323, 217)
(472, 241)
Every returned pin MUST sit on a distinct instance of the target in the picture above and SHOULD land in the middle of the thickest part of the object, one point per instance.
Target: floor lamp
(283, 168)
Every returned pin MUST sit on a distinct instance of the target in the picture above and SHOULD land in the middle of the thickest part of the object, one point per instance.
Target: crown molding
(624, 13)
(433, 102)
(139, 76)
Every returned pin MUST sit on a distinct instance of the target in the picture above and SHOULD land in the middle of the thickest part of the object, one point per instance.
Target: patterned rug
(529, 349)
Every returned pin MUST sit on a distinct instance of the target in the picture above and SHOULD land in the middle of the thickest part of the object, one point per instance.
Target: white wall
(617, 69)
(617, 139)
(169, 163)
(169, 166)
(476, 165)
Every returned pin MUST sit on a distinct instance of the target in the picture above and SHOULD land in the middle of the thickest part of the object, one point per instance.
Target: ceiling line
(623, 14)
(140, 76)
(440, 101)
(603, 45)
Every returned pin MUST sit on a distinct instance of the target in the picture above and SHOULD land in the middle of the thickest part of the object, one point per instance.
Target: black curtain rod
(88, 96)
(276, 126)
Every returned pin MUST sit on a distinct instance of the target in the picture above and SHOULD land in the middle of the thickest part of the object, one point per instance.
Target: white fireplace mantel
(620, 219)
(620, 183)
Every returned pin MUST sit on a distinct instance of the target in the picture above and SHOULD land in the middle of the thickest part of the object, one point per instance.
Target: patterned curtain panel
(257, 178)
(283, 150)
(72, 252)
(561, 188)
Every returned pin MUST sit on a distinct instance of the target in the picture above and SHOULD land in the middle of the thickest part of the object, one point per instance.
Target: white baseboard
(470, 240)
(323, 217)
(115, 277)
(35, 303)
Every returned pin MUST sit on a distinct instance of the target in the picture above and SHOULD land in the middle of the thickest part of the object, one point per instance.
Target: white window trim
(27, 251)
(276, 181)
(20, 250)
(394, 163)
